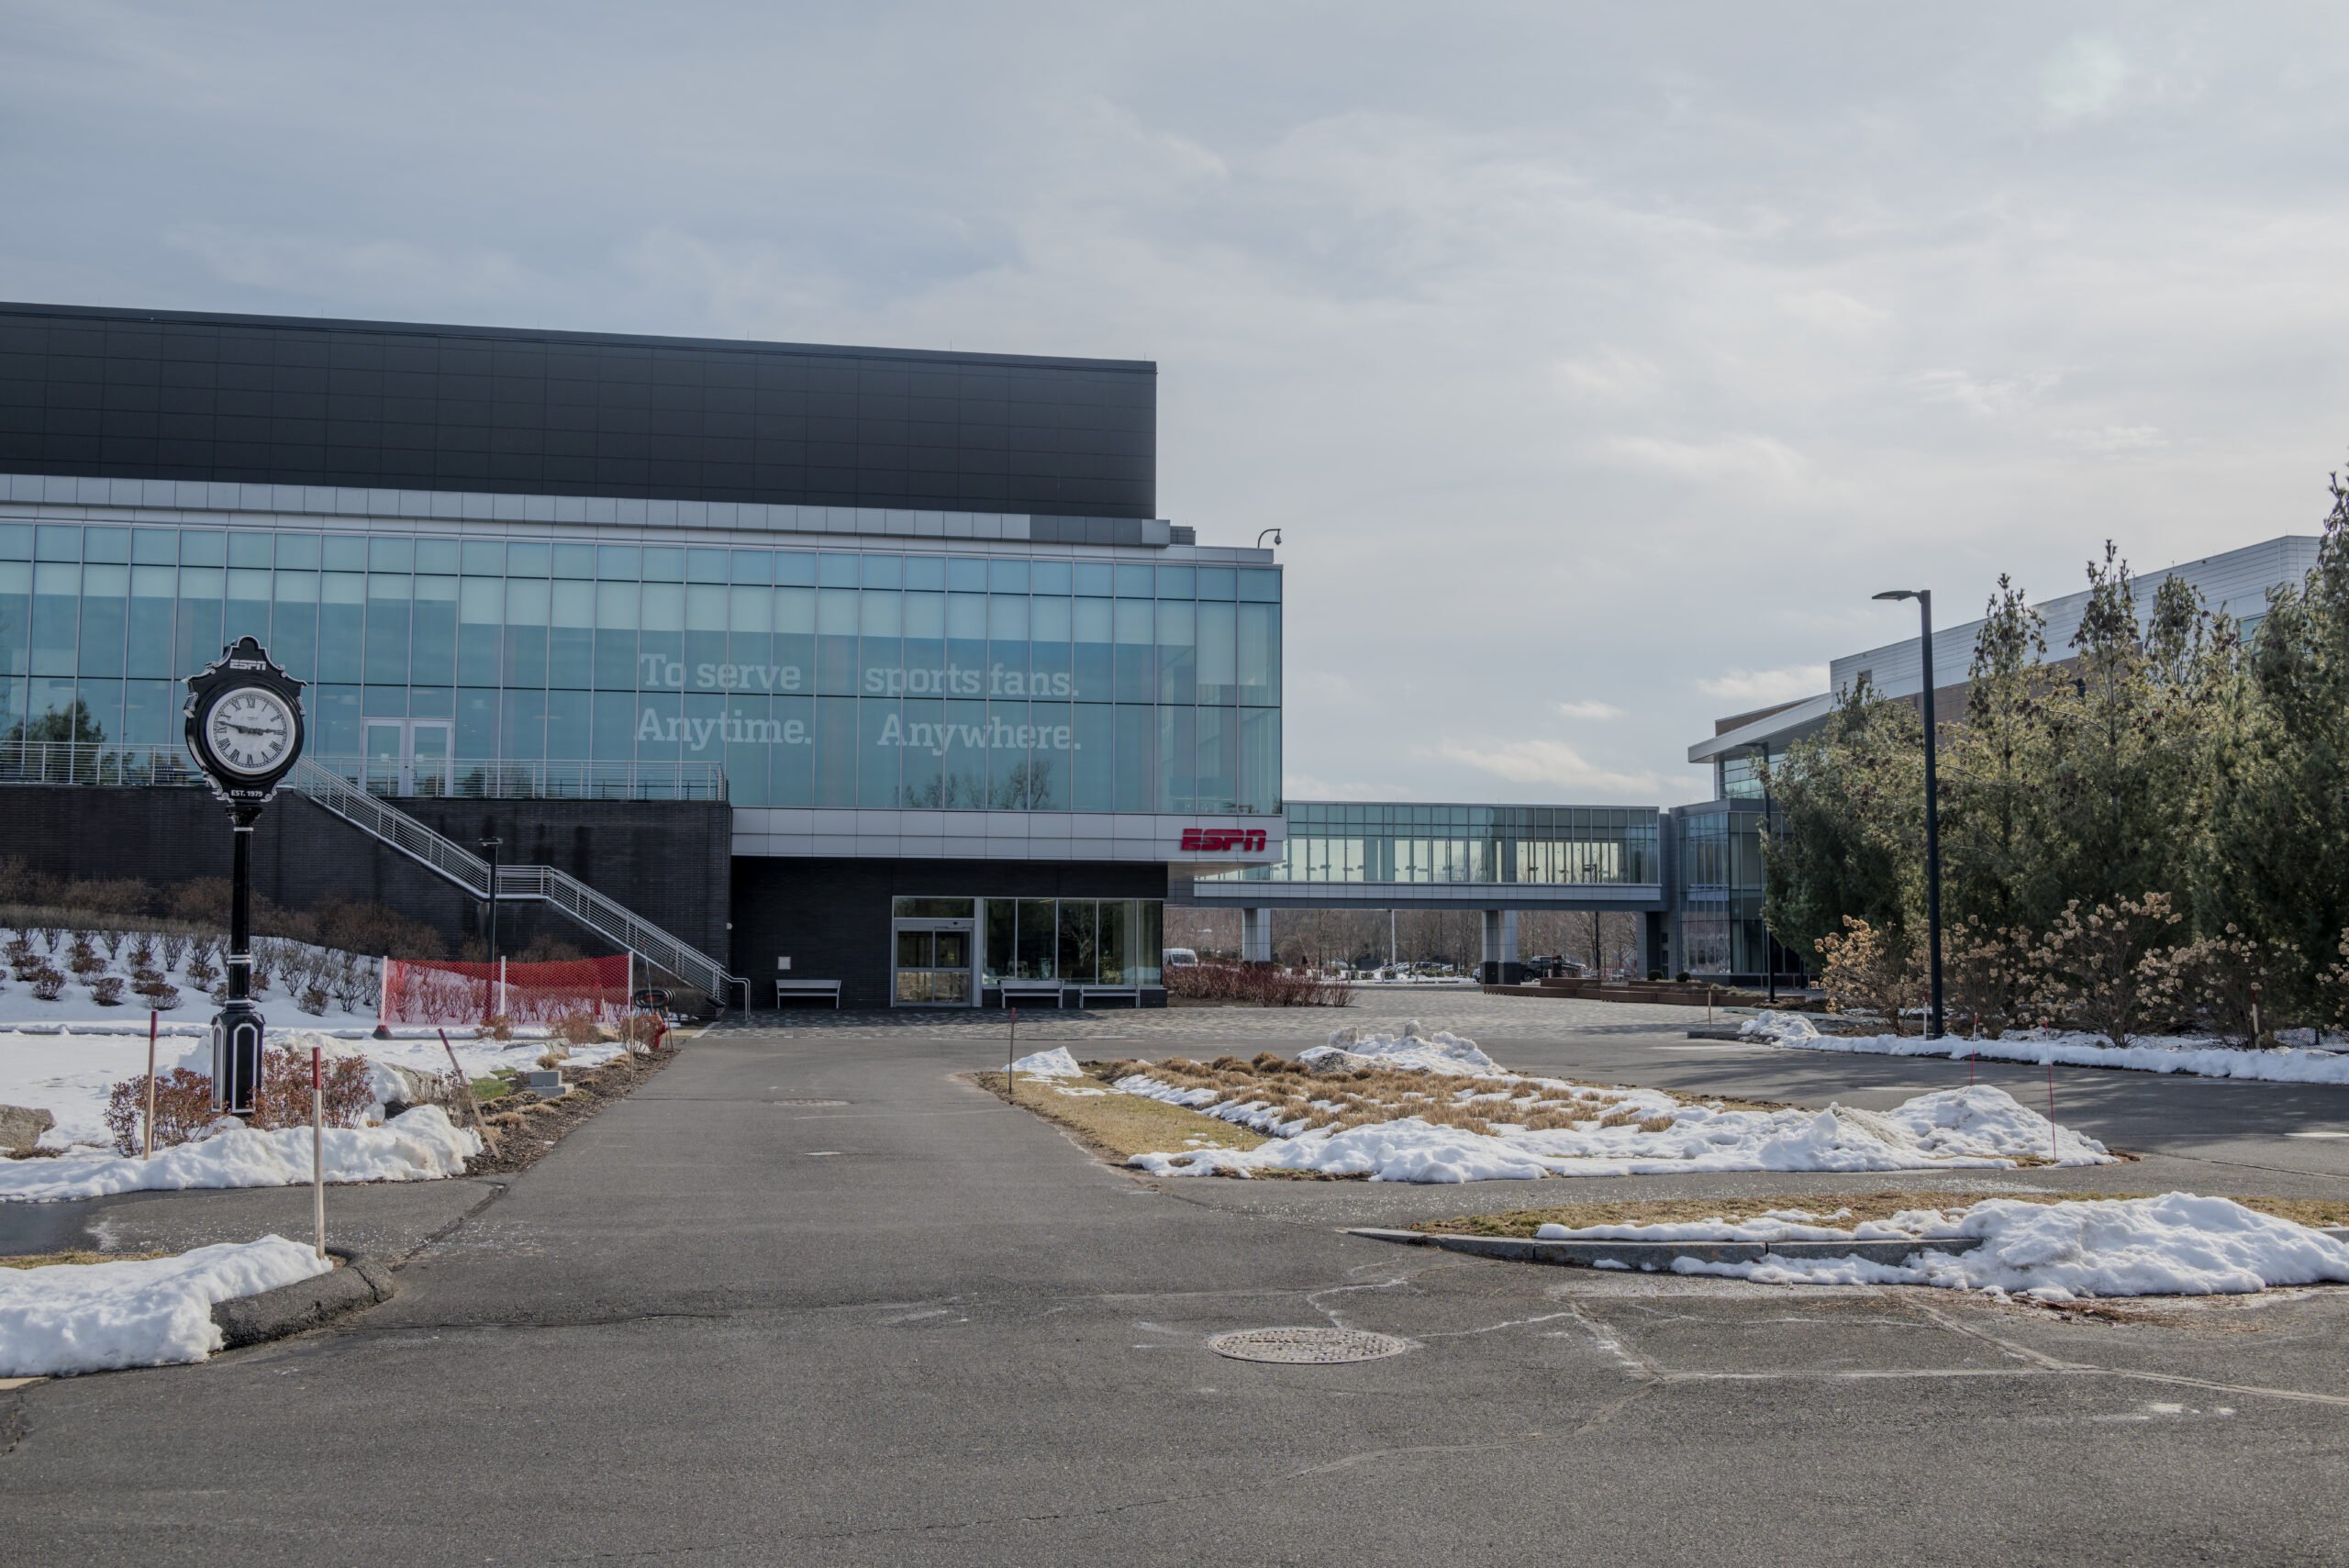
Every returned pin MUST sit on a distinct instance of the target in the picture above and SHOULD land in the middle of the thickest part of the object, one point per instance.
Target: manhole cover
(1311, 1347)
(807, 1102)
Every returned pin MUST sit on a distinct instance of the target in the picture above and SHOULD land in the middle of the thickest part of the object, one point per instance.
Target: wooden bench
(1051, 989)
(786, 989)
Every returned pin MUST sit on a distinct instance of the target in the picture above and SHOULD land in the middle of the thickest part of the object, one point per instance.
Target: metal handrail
(148, 764)
(607, 918)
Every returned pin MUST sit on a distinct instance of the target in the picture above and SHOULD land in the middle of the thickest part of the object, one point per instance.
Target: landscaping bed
(526, 1127)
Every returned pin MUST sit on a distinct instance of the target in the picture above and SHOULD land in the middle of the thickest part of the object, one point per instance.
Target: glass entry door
(933, 963)
(408, 756)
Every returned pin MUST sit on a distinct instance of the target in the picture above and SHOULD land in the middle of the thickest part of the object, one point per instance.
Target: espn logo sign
(1221, 840)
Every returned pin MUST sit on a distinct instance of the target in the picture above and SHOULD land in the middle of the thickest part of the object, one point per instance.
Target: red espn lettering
(1221, 841)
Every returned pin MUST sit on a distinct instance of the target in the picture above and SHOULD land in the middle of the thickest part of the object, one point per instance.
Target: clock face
(250, 730)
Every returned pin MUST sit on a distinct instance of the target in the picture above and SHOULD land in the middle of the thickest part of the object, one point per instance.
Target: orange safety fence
(418, 991)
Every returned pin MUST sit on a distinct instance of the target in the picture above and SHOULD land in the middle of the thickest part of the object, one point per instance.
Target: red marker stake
(319, 1145)
(152, 1019)
(2051, 1104)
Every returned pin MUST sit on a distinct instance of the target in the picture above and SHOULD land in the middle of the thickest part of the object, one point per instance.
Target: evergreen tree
(1851, 808)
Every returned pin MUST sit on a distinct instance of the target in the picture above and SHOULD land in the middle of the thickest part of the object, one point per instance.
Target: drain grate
(1307, 1346)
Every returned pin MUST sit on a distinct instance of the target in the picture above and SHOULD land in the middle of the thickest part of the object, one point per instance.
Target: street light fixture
(1924, 598)
(1260, 538)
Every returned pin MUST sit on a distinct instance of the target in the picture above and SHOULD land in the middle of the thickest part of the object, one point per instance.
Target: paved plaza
(809, 1296)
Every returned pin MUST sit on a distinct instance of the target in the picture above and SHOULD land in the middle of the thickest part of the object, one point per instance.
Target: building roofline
(582, 340)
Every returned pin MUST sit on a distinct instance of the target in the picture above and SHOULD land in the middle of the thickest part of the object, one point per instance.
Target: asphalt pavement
(808, 1296)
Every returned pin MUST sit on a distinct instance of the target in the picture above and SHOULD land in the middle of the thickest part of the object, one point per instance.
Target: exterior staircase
(386, 823)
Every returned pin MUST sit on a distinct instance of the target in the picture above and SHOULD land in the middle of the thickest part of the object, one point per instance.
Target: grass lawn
(1522, 1222)
(1120, 1126)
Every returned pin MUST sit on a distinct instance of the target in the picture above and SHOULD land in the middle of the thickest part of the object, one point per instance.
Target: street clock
(244, 722)
(244, 730)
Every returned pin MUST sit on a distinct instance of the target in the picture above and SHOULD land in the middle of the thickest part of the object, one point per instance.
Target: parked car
(1180, 958)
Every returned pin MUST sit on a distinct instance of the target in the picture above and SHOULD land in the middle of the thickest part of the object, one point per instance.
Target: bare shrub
(312, 999)
(183, 1109)
(163, 998)
(175, 946)
(2232, 984)
(1255, 984)
(49, 984)
(81, 958)
(1872, 970)
(201, 970)
(578, 1028)
(106, 990)
(1989, 975)
(2106, 969)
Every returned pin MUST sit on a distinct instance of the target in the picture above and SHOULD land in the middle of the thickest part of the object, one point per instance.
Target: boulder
(20, 1129)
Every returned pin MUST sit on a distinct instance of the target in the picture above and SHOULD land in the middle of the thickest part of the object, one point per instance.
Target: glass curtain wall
(1077, 941)
(834, 679)
(1393, 844)
(1721, 930)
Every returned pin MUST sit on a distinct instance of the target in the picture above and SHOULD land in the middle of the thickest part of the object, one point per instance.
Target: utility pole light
(1260, 538)
(1924, 598)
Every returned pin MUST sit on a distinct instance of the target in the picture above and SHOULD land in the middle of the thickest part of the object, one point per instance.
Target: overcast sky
(1597, 360)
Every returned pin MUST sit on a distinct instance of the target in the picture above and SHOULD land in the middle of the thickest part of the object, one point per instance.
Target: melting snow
(418, 1145)
(2201, 1059)
(71, 1318)
(2177, 1244)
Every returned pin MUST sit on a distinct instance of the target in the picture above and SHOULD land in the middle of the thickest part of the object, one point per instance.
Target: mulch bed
(545, 1122)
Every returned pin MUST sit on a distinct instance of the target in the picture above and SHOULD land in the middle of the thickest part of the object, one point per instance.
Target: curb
(305, 1303)
(1660, 1255)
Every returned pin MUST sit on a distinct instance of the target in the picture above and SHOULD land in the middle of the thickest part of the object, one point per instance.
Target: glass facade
(1077, 941)
(1331, 842)
(1720, 891)
(857, 677)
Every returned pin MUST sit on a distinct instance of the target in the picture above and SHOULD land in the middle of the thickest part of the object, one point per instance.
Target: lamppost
(491, 845)
(1924, 598)
(244, 730)
(1260, 538)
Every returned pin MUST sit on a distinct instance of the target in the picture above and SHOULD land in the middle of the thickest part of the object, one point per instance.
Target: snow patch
(2155, 1053)
(71, 1318)
(422, 1144)
(1977, 1129)
(2177, 1244)
(1054, 1063)
(1416, 1049)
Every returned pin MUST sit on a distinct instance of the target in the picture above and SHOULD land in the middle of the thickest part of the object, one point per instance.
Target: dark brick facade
(832, 917)
(668, 860)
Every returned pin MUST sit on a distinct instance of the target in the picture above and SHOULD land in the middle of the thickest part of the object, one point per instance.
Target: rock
(20, 1129)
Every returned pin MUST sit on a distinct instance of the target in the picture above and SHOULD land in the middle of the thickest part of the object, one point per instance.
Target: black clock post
(244, 730)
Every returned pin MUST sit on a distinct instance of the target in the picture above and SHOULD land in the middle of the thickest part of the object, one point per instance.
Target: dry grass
(1340, 1101)
(44, 1260)
(1522, 1222)
(1121, 1126)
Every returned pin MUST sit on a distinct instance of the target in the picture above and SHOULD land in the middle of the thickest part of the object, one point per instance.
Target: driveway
(808, 1297)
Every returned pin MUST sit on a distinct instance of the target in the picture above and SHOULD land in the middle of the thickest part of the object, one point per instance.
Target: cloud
(1549, 762)
(314, 266)
(2083, 79)
(1759, 688)
(1305, 786)
(1740, 460)
(1590, 708)
(1978, 395)
(2105, 440)
(1832, 311)
(1608, 376)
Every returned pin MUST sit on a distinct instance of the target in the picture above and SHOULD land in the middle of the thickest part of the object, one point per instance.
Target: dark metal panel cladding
(378, 405)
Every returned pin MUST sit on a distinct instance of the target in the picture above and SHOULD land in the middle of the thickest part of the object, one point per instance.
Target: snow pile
(1977, 1129)
(71, 1318)
(1054, 1063)
(1983, 1121)
(2151, 1053)
(1414, 1050)
(2177, 1244)
(419, 1145)
(69, 1071)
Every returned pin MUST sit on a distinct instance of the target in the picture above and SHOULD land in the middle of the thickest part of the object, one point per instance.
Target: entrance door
(933, 963)
(408, 756)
